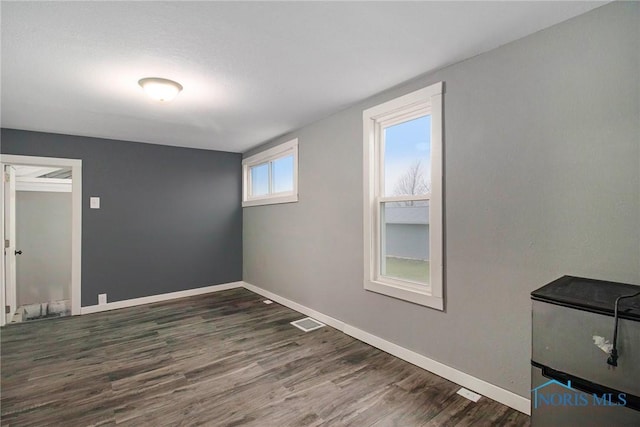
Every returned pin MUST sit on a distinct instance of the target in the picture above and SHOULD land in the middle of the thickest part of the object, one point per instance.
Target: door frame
(9, 266)
(76, 221)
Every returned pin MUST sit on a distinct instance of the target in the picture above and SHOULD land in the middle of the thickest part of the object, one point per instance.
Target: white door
(10, 239)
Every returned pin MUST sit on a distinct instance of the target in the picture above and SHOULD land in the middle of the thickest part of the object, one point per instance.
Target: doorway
(42, 208)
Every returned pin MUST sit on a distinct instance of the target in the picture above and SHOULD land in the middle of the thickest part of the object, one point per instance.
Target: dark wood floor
(223, 359)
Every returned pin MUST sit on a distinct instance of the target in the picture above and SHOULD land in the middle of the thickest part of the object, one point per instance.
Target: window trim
(280, 151)
(427, 100)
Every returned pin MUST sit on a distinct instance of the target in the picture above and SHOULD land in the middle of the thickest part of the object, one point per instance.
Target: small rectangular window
(282, 172)
(271, 176)
(403, 197)
(260, 180)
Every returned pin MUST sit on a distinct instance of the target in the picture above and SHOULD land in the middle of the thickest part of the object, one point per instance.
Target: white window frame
(280, 151)
(415, 104)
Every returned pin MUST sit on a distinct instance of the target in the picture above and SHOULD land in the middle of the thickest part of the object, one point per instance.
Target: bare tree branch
(412, 182)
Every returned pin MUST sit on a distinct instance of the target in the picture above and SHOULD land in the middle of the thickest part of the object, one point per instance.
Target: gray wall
(170, 218)
(43, 234)
(542, 179)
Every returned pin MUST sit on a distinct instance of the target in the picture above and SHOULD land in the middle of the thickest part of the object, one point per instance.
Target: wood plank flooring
(223, 359)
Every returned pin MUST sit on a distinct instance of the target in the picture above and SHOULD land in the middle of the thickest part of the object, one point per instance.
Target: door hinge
(7, 177)
(7, 309)
(7, 243)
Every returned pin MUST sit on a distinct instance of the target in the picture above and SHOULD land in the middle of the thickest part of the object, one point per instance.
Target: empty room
(323, 213)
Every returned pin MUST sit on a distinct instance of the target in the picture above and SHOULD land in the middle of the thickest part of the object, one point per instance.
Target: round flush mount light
(159, 89)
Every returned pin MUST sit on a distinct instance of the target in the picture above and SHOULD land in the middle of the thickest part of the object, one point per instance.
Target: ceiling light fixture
(159, 89)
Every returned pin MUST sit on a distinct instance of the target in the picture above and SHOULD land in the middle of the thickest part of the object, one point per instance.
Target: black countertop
(598, 296)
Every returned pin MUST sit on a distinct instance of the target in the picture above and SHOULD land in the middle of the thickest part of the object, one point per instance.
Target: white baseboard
(465, 380)
(327, 320)
(158, 298)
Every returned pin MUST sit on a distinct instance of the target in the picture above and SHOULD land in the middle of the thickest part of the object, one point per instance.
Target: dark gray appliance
(573, 378)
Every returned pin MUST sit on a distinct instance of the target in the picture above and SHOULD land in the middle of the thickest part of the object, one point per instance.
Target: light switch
(94, 202)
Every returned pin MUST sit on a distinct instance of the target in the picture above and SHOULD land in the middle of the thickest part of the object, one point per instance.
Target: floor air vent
(307, 324)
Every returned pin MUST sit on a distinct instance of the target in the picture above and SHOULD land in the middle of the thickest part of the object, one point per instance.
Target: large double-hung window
(403, 197)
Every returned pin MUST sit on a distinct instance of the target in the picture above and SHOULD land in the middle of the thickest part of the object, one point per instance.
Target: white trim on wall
(327, 320)
(463, 379)
(159, 298)
(3, 316)
(76, 215)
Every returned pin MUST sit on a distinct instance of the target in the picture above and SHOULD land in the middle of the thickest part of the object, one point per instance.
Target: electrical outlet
(102, 299)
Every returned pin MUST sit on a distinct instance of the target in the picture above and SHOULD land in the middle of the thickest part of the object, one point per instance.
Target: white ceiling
(251, 70)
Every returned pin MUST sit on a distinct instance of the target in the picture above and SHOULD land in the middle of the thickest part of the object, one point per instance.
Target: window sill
(270, 201)
(421, 297)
